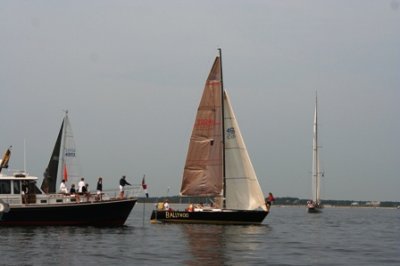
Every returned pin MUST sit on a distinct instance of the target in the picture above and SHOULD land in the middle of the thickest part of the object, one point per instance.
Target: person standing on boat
(86, 191)
(73, 193)
(63, 187)
(24, 192)
(99, 188)
(269, 200)
(166, 205)
(122, 184)
(85, 188)
(81, 185)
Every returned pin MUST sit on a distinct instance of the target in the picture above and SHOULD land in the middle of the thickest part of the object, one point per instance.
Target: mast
(316, 155)
(25, 156)
(223, 130)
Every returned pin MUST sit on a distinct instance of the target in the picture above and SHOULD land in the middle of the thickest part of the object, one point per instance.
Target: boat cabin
(19, 188)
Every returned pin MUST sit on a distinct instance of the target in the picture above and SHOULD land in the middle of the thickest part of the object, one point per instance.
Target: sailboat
(315, 206)
(63, 163)
(22, 203)
(218, 165)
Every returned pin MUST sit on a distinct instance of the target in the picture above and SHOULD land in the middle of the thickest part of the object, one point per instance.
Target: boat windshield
(5, 187)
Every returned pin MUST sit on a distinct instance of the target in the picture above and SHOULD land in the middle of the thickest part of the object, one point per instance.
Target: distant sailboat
(218, 165)
(63, 164)
(315, 205)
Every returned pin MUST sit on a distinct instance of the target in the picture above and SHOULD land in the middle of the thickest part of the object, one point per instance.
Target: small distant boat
(315, 205)
(22, 203)
(218, 165)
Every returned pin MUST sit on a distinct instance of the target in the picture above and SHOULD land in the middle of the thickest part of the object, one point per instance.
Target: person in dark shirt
(122, 184)
(99, 188)
(73, 193)
(86, 191)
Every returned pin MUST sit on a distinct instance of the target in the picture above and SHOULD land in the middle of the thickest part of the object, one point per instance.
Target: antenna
(24, 155)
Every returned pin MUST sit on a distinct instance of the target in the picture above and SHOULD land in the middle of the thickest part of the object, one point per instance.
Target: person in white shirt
(63, 187)
(166, 205)
(81, 184)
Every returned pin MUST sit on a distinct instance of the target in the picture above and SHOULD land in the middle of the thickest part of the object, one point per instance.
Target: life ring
(4, 207)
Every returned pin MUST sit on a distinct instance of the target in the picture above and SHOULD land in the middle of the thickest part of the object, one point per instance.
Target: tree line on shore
(285, 201)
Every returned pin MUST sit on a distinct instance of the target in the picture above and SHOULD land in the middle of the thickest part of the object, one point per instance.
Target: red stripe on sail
(65, 173)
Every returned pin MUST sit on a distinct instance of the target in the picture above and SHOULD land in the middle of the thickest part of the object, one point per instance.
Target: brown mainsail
(203, 174)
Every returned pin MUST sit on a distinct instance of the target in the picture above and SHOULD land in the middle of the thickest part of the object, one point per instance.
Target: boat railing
(58, 198)
(129, 192)
(108, 194)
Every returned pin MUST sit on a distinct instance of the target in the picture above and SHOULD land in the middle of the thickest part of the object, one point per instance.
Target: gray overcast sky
(131, 73)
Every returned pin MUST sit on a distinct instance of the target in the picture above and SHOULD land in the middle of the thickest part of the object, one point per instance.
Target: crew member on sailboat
(269, 200)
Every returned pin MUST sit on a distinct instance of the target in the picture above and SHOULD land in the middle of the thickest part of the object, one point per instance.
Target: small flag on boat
(65, 173)
(5, 159)
(144, 186)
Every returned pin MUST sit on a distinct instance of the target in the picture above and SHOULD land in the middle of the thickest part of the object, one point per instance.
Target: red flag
(144, 185)
(65, 173)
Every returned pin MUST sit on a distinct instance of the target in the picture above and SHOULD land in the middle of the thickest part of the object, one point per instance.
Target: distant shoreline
(284, 201)
(338, 206)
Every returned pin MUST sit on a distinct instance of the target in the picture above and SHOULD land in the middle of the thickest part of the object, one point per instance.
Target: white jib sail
(69, 167)
(243, 192)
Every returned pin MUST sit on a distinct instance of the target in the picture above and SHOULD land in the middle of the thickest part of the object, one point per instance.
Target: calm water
(289, 236)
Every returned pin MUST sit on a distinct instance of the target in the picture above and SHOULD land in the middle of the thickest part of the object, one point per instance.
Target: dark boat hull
(101, 213)
(209, 217)
(314, 209)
